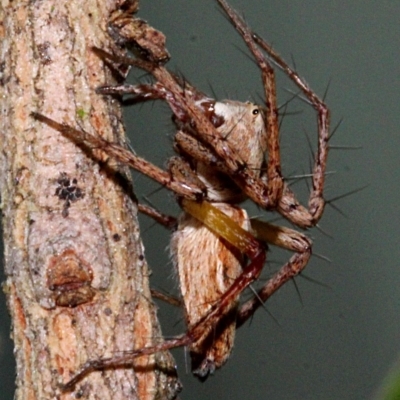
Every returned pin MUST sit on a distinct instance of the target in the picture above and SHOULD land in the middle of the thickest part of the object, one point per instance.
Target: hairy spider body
(206, 267)
(206, 264)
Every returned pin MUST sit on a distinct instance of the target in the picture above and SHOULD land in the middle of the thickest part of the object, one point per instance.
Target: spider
(221, 148)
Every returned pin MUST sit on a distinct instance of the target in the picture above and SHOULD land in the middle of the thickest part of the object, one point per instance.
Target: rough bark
(76, 279)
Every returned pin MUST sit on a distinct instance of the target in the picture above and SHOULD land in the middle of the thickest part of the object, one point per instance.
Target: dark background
(338, 338)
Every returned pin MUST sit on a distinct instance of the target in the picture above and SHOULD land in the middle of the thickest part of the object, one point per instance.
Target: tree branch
(76, 281)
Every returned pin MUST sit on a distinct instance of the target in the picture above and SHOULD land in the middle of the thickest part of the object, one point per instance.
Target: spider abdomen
(207, 266)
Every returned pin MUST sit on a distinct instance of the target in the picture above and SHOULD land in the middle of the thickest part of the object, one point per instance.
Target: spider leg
(288, 239)
(139, 93)
(273, 173)
(142, 92)
(184, 188)
(156, 91)
(165, 220)
(316, 201)
(181, 172)
(287, 204)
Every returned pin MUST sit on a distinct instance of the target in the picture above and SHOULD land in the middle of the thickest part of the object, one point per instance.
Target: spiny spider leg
(285, 238)
(165, 220)
(274, 174)
(183, 188)
(316, 201)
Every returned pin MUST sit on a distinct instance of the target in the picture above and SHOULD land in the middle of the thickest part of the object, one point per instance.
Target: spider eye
(256, 111)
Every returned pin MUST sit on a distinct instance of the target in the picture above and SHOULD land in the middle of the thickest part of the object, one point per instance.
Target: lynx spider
(210, 141)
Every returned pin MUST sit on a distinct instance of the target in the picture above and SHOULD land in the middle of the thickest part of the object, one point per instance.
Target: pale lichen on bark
(76, 280)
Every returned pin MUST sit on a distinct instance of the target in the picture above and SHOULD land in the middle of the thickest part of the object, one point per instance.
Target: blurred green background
(338, 339)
